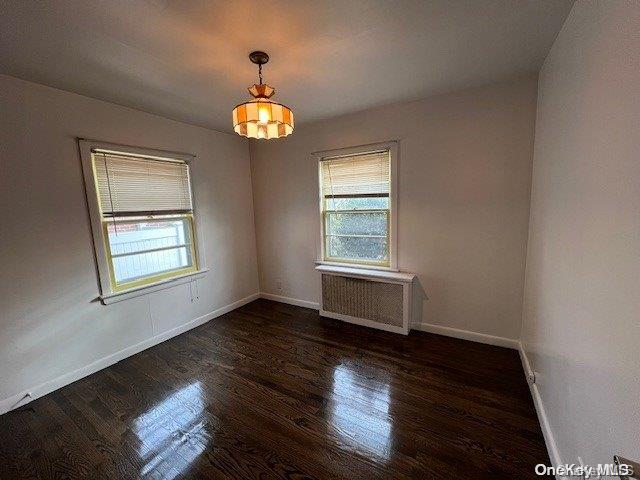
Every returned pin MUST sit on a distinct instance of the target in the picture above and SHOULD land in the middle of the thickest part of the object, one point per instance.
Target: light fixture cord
(106, 169)
(260, 72)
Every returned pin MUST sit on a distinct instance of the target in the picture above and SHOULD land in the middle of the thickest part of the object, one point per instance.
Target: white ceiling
(187, 59)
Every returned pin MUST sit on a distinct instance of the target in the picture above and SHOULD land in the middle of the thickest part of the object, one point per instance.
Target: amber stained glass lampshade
(261, 117)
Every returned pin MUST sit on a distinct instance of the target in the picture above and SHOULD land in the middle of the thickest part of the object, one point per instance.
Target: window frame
(109, 289)
(392, 220)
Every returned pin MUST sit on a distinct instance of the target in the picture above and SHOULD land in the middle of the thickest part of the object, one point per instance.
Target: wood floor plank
(276, 391)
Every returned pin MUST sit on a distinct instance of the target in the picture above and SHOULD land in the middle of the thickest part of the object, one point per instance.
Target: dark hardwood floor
(274, 391)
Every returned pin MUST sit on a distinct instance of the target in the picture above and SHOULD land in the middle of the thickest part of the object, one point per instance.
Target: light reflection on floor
(360, 412)
(172, 431)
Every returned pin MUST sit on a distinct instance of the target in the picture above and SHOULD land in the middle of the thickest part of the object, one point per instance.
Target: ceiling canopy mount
(258, 57)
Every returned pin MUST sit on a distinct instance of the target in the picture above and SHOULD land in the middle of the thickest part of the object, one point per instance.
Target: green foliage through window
(357, 229)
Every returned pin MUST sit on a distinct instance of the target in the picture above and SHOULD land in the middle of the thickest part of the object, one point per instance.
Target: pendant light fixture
(262, 117)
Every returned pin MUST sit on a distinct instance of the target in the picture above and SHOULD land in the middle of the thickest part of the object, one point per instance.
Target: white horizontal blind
(364, 174)
(130, 185)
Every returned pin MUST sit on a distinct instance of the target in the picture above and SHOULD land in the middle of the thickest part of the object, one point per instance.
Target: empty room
(331, 239)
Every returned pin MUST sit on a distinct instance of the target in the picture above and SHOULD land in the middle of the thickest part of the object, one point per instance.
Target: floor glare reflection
(172, 433)
(360, 412)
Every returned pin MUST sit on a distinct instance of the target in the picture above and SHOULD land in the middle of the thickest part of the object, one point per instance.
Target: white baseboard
(467, 335)
(547, 432)
(290, 301)
(21, 399)
(425, 327)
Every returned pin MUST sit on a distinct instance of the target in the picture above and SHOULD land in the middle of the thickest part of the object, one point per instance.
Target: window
(356, 207)
(142, 210)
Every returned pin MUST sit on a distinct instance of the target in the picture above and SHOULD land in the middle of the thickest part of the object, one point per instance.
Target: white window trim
(107, 295)
(392, 146)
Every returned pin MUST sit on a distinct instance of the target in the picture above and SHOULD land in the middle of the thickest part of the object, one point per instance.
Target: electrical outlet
(279, 285)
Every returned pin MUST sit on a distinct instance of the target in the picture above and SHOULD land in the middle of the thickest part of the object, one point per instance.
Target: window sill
(359, 266)
(367, 273)
(114, 297)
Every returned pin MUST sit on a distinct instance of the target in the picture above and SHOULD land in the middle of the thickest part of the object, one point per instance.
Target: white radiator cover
(373, 298)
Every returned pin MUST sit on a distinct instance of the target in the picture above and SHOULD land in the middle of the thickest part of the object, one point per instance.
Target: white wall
(582, 305)
(49, 324)
(465, 173)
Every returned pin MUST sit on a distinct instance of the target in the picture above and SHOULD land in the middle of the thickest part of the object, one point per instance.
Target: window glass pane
(140, 265)
(358, 203)
(131, 237)
(146, 248)
(364, 223)
(357, 248)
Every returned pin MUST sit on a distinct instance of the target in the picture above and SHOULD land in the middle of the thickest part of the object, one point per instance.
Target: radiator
(373, 298)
